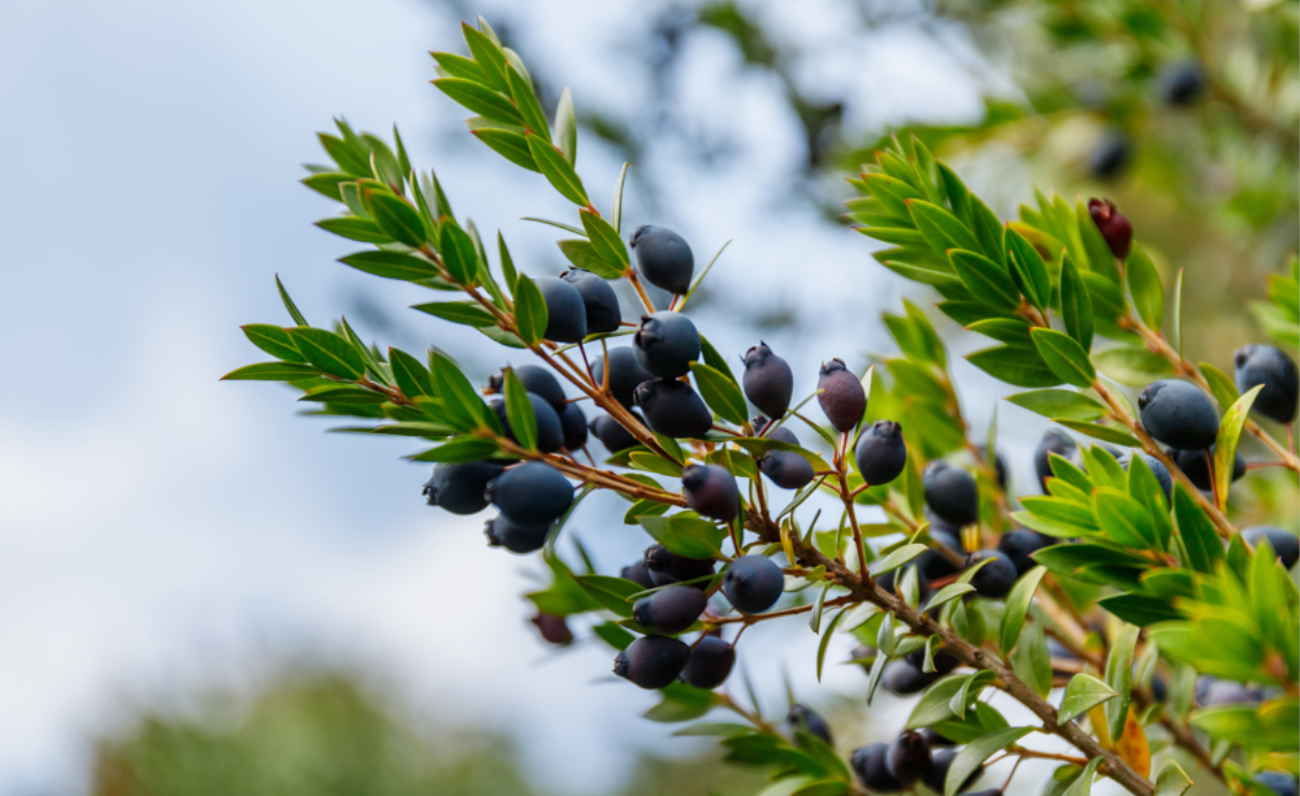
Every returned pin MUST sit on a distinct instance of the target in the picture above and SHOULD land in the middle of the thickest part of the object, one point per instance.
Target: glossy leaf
(1059, 404)
(973, 755)
(1145, 288)
(1017, 606)
(720, 393)
(559, 171)
(686, 534)
(1064, 356)
(531, 315)
(1225, 444)
(1082, 693)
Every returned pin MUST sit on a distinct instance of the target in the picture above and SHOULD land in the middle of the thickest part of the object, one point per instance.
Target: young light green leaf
(720, 393)
(986, 280)
(824, 644)
(686, 534)
(1030, 270)
(941, 229)
(1145, 289)
(947, 594)
(566, 126)
(530, 310)
(1119, 676)
(1064, 356)
(973, 755)
(1076, 305)
(1082, 784)
(1020, 365)
(508, 144)
(616, 214)
(530, 110)
(1221, 385)
(480, 99)
(897, 558)
(1225, 444)
(584, 255)
(1176, 314)
(1082, 694)
(933, 704)
(1017, 605)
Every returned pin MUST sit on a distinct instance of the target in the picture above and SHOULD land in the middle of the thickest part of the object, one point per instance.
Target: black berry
(566, 315)
(638, 573)
(1182, 83)
(786, 469)
(1211, 692)
(666, 567)
(667, 344)
(710, 662)
(1286, 546)
(902, 678)
(612, 434)
(1197, 469)
(673, 408)
(951, 493)
(670, 610)
(1111, 155)
(664, 258)
(933, 738)
(516, 537)
(598, 298)
(711, 491)
(802, 717)
(459, 488)
(1179, 414)
(869, 764)
(908, 757)
(652, 661)
(995, 578)
(553, 629)
(841, 395)
(1052, 441)
(753, 584)
(941, 761)
(625, 373)
(1020, 544)
(944, 661)
(574, 425)
(536, 380)
(550, 434)
(1276, 370)
(881, 454)
(933, 564)
(531, 493)
(768, 381)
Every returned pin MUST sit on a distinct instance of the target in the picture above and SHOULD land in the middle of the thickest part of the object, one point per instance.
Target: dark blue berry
(1276, 370)
(786, 469)
(673, 408)
(574, 424)
(550, 433)
(667, 567)
(995, 578)
(671, 609)
(1020, 544)
(1179, 414)
(1182, 83)
(768, 381)
(1279, 782)
(841, 396)
(944, 661)
(667, 344)
(710, 662)
(517, 538)
(625, 373)
(1197, 468)
(612, 434)
(711, 491)
(881, 454)
(802, 717)
(664, 258)
(869, 764)
(1286, 546)
(566, 315)
(531, 493)
(536, 380)
(933, 564)
(1052, 441)
(638, 573)
(598, 298)
(753, 584)
(460, 487)
(652, 661)
(1111, 155)
(902, 678)
(941, 761)
(908, 757)
(951, 493)
(933, 738)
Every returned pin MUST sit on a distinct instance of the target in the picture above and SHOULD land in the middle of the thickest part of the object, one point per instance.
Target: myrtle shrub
(1122, 607)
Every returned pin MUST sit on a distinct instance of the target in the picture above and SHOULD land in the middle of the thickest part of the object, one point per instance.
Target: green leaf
(289, 306)
(1171, 779)
(329, 352)
(1007, 330)
(487, 53)
(1139, 610)
(897, 558)
(947, 594)
(412, 378)
(1015, 364)
(460, 449)
(1030, 270)
(681, 702)
(824, 643)
(519, 411)
(583, 254)
(1103, 433)
(1082, 784)
(605, 240)
(479, 99)
(616, 214)
(1119, 676)
(1221, 385)
(1082, 694)
(1059, 404)
(1145, 288)
(986, 280)
(613, 593)
(354, 228)
(1134, 366)
(615, 635)
(272, 371)
(530, 110)
(398, 219)
(467, 313)
(391, 265)
(973, 755)
(508, 144)
(941, 229)
(459, 255)
(530, 310)
(720, 393)
(1225, 444)
(553, 165)
(1202, 544)
(566, 126)
(715, 360)
(1076, 305)
(1031, 662)
(1124, 520)
(348, 157)
(274, 340)
(933, 705)
(327, 183)
(460, 402)
(1176, 314)
(1017, 605)
(1064, 356)
(686, 534)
